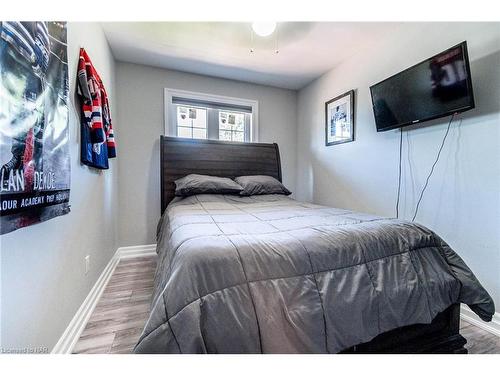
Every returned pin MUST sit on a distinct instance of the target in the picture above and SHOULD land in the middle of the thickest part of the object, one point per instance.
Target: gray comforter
(268, 274)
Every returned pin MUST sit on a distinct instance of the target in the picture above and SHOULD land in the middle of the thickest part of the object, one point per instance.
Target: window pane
(224, 126)
(231, 121)
(184, 132)
(240, 126)
(191, 122)
(225, 135)
(223, 121)
(238, 136)
(183, 117)
(240, 120)
(199, 133)
(200, 117)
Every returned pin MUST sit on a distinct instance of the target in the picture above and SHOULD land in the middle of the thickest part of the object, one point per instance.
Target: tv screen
(437, 87)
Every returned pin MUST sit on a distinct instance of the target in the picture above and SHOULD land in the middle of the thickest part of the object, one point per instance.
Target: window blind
(209, 104)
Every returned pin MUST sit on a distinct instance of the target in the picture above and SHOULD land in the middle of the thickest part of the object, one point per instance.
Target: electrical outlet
(87, 264)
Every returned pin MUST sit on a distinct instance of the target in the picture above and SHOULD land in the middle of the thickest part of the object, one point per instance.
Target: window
(202, 116)
(231, 126)
(191, 122)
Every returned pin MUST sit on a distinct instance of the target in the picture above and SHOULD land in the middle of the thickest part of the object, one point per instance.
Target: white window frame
(170, 112)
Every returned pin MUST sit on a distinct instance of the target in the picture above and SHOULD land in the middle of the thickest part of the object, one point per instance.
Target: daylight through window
(208, 120)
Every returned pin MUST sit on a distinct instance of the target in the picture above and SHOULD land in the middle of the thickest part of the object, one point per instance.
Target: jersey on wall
(98, 141)
(34, 134)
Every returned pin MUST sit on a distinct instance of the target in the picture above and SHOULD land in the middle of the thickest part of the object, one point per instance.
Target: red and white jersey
(95, 104)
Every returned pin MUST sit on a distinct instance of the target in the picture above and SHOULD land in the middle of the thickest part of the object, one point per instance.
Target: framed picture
(339, 113)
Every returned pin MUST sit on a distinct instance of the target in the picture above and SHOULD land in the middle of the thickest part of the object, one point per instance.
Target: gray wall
(141, 122)
(462, 202)
(42, 266)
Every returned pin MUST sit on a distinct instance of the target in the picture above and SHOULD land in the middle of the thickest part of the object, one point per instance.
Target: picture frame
(339, 119)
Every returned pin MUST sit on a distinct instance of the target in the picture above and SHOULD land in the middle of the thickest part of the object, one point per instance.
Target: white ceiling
(222, 49)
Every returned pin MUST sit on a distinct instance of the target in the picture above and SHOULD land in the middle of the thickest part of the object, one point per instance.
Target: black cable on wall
(432, 169)
(399, 178)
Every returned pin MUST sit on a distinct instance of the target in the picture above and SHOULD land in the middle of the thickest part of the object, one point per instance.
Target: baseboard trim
(72, 333)
(469, 316)
(70, 336)
(136, 251)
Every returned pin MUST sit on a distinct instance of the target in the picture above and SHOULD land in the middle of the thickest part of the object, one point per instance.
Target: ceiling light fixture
(264, 28)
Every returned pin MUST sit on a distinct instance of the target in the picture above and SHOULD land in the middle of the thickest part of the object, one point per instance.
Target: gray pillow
(203, 184)
(260, 184)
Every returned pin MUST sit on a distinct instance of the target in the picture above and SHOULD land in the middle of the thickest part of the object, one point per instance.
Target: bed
(268, 274)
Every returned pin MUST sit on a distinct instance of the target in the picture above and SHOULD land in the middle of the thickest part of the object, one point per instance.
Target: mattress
(269, 274)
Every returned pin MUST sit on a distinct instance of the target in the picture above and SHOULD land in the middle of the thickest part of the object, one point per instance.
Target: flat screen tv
(436, 87)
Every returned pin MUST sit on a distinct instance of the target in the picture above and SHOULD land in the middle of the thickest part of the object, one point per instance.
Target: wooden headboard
(182, 156)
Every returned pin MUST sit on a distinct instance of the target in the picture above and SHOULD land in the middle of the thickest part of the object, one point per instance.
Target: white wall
(141, 122)
(42, 266)
(462, 202)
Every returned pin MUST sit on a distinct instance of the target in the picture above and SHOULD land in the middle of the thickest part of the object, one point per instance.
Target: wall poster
(34, 133)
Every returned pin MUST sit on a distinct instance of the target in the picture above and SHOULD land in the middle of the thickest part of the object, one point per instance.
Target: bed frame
(180, 157)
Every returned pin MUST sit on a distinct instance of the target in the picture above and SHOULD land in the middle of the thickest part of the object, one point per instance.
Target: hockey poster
(34, 133)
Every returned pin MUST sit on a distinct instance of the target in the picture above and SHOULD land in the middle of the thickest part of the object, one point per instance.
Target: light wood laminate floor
(120, 315)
